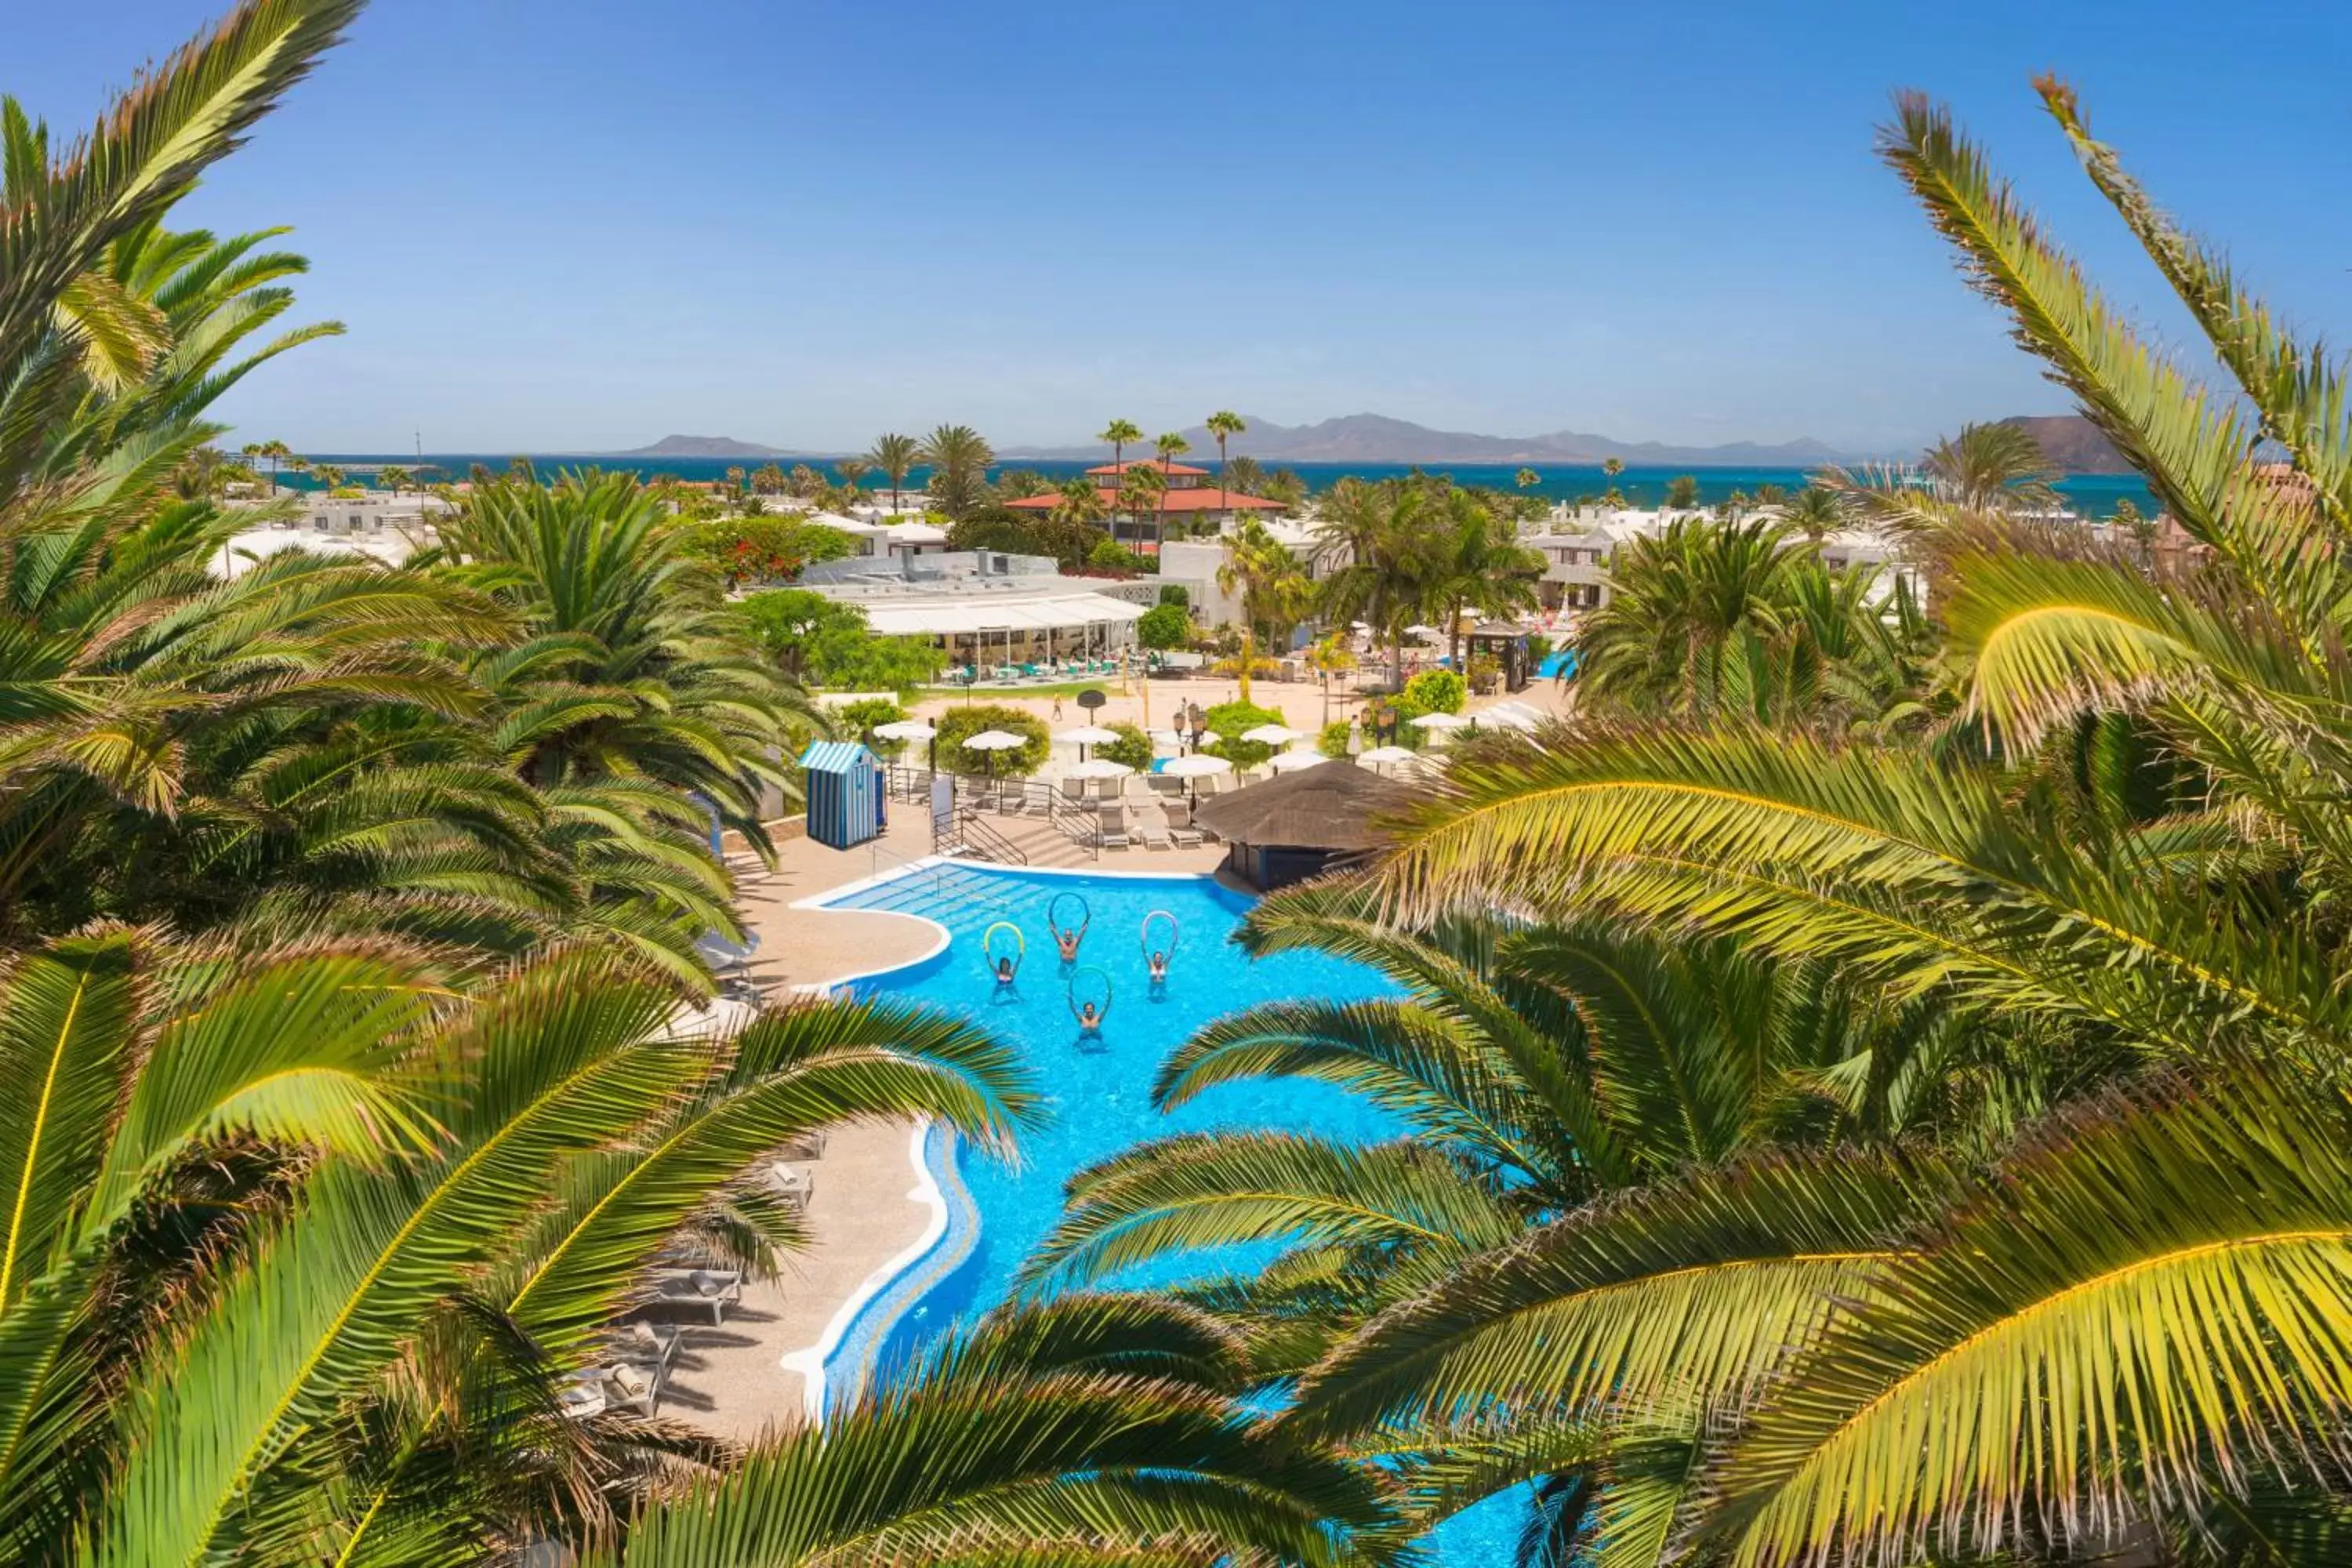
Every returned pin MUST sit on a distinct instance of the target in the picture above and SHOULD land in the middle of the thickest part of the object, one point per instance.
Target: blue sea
(2093, 495)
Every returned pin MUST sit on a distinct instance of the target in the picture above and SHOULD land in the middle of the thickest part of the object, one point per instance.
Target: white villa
(1577, 549)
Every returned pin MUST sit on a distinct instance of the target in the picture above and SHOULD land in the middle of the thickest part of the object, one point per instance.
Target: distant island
(1378, 439)
(2072, 443)
(702, 447)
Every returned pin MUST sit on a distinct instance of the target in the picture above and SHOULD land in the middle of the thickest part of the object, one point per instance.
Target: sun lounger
(652, 1344)
(1181, 828)
(716, 1287)
(1113, 829)
(1153, 834)
(629, 1386)
(807, 1146)
(794, 1183)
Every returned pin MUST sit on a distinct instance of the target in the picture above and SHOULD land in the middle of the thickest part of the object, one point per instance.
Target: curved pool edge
(952, 1228)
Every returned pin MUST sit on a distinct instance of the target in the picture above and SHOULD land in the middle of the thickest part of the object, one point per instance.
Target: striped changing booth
(845, 797)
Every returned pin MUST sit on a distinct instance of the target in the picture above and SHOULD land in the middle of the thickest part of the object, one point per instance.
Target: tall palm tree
(1141, 489)
(1369, 545)
(1080, 502)
(1816, 512)
(2125, 1320)
(1527, 479)
(1259, 569)
(1170, 446)
(1246, 475)
(852, 470)
(959, 458)
(1118, 433)
(1610, 469)
(1223, 424)
(893, 457)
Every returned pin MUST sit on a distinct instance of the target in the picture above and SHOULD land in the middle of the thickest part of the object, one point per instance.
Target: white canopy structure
(946, 615)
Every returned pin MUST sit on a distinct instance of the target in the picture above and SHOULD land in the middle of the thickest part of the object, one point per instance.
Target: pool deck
(866, 1211)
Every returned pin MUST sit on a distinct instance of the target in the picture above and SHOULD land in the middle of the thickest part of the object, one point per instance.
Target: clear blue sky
(581, 225)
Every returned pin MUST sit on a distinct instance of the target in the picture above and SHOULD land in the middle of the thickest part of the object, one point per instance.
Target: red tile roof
(1203, 498)
(1163, 464)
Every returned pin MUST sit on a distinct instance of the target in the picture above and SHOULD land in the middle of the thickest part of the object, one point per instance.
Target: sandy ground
(1153, 703)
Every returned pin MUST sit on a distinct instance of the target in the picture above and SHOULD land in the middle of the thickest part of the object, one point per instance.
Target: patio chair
(1181, 828)
(794, 1183)
(1165, 787)
(715, 1288)
(1153, 831)
(1112, 816)
(650, 1344)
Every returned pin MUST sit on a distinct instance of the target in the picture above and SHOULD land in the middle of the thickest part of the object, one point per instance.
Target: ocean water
(1099, 1090)
(2093, 495)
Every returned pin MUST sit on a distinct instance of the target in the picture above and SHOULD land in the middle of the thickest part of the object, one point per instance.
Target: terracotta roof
(1163, 464)
(1203, 498)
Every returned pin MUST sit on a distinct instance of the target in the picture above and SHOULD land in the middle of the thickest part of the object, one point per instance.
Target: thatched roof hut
(1302, 823)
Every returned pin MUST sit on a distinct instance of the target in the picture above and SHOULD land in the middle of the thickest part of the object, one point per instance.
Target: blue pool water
(1100, 1093)
(1553, 663)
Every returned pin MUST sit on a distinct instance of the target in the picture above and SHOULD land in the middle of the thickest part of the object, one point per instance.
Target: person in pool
(1158, 965)
(1067, 941)
(1004, 970)
(1089, 1019)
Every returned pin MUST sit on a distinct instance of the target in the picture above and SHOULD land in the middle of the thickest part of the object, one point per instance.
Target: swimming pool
(1553, 663)
(1099, 1092)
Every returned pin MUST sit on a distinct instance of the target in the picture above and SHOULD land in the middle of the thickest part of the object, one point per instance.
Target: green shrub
(1539, 648)
(1436, 691)
(959, 724)
(857, 721)
(1164, 627)
(1334, 740)
(1176, 593)
(1132, 748)
(1110, 555)
(1230, 719)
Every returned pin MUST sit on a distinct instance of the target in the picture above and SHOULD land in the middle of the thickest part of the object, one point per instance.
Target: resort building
(1577, 549)
(1192, 498)
(883, 537)
(383, 528)
(1193, 563)
(987, 609)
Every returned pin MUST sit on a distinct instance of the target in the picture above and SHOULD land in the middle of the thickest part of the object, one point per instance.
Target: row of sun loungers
(635, 1357)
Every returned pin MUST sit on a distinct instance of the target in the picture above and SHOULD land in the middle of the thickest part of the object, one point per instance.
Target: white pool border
(810, 1360)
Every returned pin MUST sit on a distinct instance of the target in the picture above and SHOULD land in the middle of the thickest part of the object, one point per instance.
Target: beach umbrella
(1425, 633)
(1441, 721)
(1085, 736)
(1099, 768)
(1509, 716)
(1168, 738)
(1198, 765)
(1274, 734)
(906, 730)
(723, 953)
(1291, 761)
(1387, 756)
(991, 741)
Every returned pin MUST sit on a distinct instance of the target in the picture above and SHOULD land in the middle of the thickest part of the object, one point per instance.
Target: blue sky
(582, 224)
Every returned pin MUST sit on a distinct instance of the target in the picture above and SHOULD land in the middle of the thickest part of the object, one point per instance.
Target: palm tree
(276, 452)
(1246, 475)
(1610, 469)
(1331, 655)
(1141, 489)
(394, 479)
(1369, 544)
(1478, 562)
(893, 457)
(1817, 511)
(1989, 467)
(735, 478)
(1080, 502)
(1259, 569)
(1170, 446)
(1527, 479)
(1118, 433)
(959, 459)
(2116, 1327)
(852, 470)
(1223, 424)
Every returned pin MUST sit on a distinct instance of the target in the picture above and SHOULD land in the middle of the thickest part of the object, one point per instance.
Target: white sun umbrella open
(1085, 735)
(1198, 765)
(1099, 768)
(1274, 734)
(1387, 756)
(1291, 761)
(906, 730)
(1426, 634)
(991, 742)
(1441, 721)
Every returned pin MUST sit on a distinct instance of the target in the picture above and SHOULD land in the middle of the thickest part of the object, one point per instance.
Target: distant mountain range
(1377, 439)
(2074, 444)
(702, 447)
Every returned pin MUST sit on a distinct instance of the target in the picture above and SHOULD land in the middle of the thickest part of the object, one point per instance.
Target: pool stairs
(958, 895)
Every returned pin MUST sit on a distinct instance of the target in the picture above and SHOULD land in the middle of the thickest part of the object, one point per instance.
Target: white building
(1577, 549)
(1193, 563)
(383, 528)
(986, 608)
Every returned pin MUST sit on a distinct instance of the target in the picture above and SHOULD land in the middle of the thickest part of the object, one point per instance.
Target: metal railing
(974, 837)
